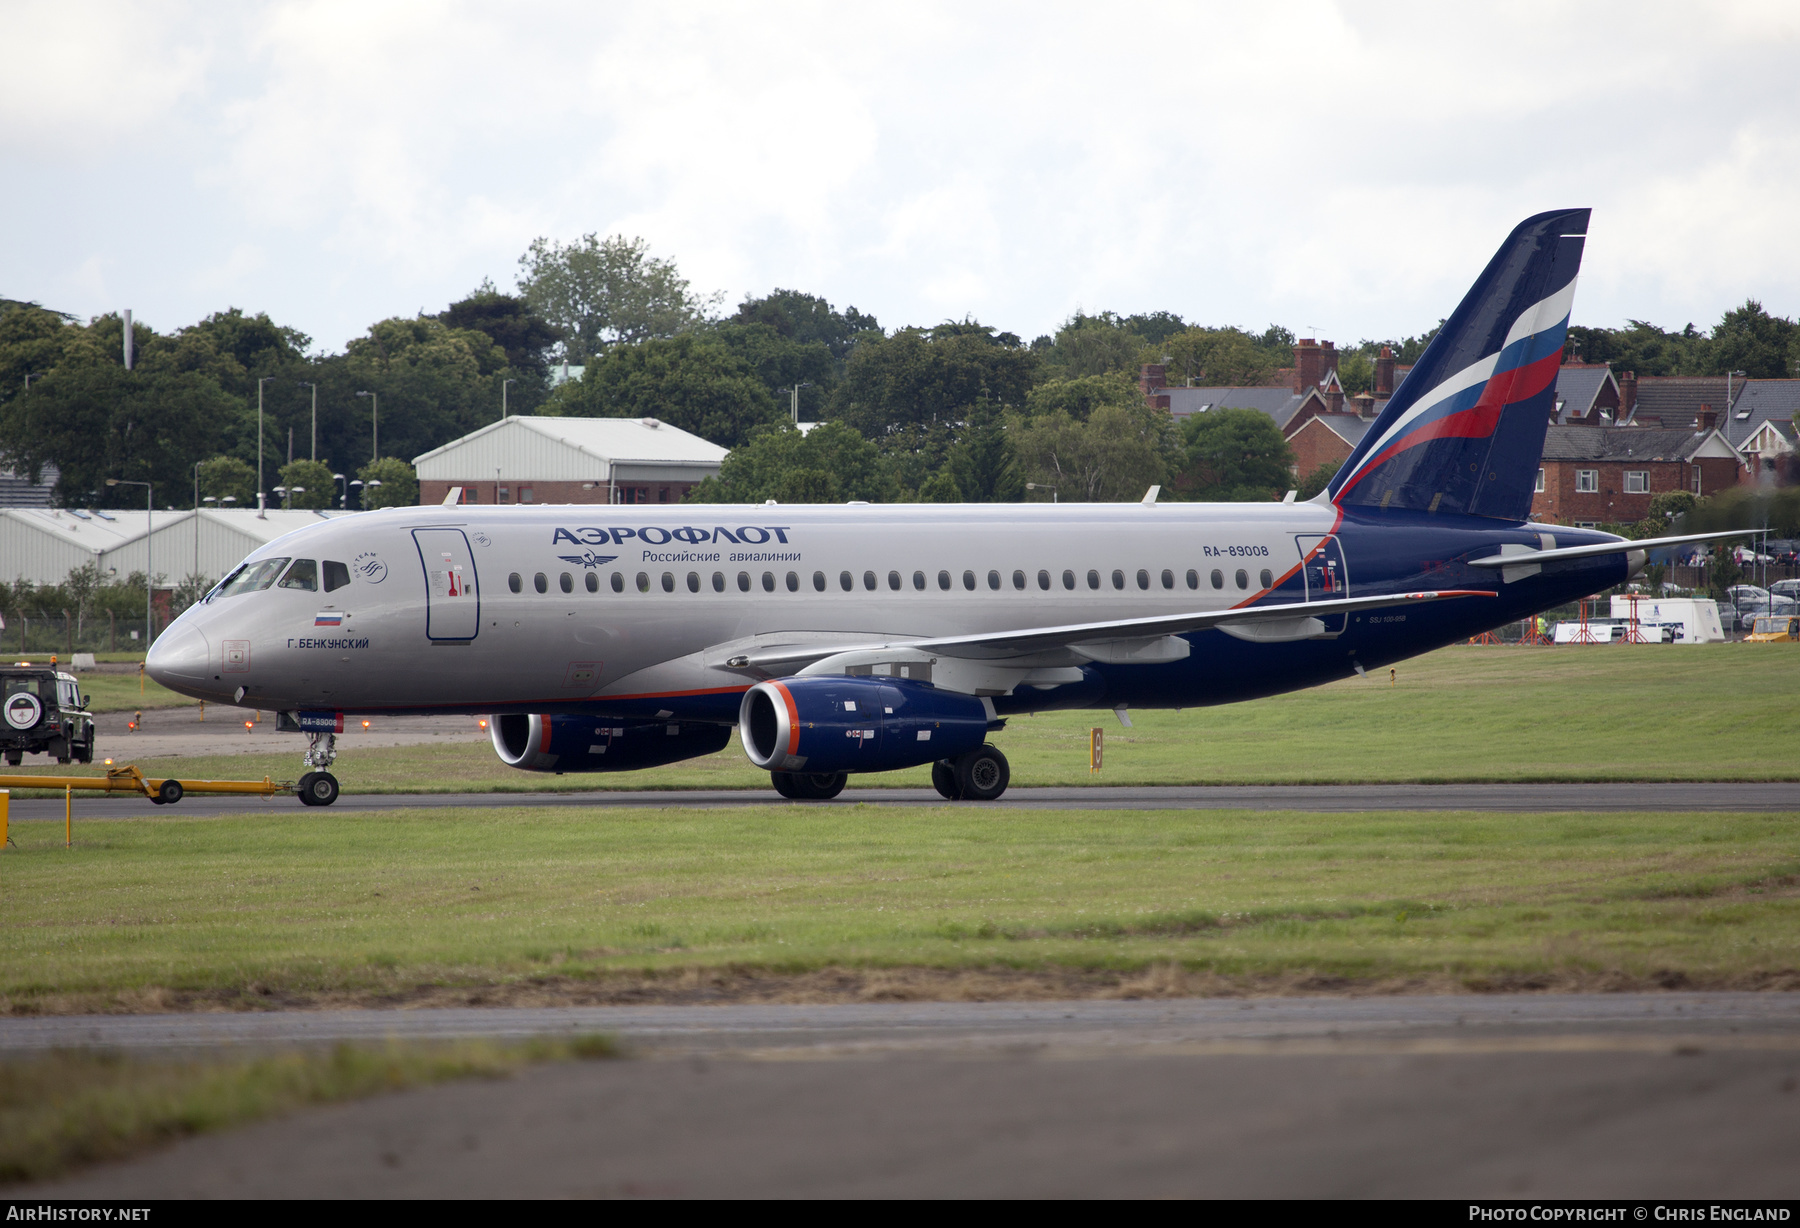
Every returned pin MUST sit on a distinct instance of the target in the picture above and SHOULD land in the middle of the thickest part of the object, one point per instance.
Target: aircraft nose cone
(179, 656)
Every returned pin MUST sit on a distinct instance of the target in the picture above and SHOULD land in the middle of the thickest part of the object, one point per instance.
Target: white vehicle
(1693, 620)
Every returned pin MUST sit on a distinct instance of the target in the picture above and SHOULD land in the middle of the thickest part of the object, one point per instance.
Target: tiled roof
(1620, 443)
(1676, 399)
(1278, 403)
(1576, 387)
(1763, 400)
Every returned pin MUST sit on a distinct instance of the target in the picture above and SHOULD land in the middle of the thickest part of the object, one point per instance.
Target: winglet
(1150, 495)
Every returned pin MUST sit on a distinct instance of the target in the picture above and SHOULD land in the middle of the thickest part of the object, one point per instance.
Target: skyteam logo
(655, 535)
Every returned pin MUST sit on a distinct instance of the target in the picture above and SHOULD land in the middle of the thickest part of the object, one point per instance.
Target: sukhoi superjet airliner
(865, 638)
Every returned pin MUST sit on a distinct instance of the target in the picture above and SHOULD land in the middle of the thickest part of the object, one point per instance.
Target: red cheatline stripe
(1480, 419)
(793, 719)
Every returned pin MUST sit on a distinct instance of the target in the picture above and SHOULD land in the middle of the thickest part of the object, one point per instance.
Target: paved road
(1773, 796)
(1657, 1096)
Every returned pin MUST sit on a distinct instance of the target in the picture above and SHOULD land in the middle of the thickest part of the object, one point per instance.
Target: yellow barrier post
(140, 677)
(1096, 749)
(5, 809)
(68, 817)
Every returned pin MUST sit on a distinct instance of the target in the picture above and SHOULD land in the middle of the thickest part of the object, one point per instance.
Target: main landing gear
(979, 776)
(319, 787)
(809, 786)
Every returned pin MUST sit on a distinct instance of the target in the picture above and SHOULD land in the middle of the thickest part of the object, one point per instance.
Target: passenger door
(1327, 578)
(452, 589)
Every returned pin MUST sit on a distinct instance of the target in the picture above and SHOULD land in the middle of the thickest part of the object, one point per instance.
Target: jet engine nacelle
(597, 744)
(828, 723)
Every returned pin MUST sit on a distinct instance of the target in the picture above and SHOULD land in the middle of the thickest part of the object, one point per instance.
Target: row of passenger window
(871, 582)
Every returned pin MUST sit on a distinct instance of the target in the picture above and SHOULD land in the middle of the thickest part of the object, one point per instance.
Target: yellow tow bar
(166, 791)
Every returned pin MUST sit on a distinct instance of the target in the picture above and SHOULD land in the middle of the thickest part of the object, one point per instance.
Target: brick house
(1594, 475)
(1320, 423)
(569, 460)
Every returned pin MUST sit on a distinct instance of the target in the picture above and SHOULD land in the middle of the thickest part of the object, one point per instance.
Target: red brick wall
(433, 491)
(1314, 444)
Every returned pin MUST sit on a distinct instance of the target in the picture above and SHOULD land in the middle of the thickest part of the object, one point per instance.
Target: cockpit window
(303, 575)
(336, 576)
(253, 577)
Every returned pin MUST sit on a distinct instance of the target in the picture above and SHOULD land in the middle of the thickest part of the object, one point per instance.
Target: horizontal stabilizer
(1534, 557)
(1000, 645)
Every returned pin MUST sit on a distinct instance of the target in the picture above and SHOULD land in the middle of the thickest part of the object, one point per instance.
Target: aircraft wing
(1029, 641)
(1530, 557)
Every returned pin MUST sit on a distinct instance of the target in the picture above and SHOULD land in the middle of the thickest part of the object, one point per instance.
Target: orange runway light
(482, 723)
(365, 724)
(109, 763)
(249, 726)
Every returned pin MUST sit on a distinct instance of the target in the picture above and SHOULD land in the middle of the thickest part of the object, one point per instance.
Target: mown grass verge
(1609, 712)
(294, 908)
(71, 1107)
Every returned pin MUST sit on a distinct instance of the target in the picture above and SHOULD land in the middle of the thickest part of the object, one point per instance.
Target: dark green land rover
(43, 711)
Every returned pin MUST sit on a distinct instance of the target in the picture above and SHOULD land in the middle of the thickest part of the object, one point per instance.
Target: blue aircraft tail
(1464, 432)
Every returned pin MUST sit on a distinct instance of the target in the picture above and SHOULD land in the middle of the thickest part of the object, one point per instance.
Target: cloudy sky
(1341, 168)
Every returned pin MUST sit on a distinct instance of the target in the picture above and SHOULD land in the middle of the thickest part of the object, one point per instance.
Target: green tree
(1217, 357)
(507, 320)
(1316, 481)
(690, 381)
(920, 376)
(1233, 456)
(807, 319)
(309, 484)
(783, 362)
(227, 477)
(1750, 340)
(761, 468)
(1095, 345)
(399, 484)
(604, 292)
(940, 487)
(1079, 397)
(981, 461)
(1114, 456)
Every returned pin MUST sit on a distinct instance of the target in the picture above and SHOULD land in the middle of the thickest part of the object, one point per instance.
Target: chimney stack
(1312, 359)
(1706, 421)
(1384, 374)
(1627, 394)
(1365, 404)
(1334, 394)
(1151, 376)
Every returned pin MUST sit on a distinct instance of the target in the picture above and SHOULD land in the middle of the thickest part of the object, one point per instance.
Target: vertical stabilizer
(1464, 433)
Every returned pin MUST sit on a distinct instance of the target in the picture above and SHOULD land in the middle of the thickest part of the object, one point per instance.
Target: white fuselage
(425, 623)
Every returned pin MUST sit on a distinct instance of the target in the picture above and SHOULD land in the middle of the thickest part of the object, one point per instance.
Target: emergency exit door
(452, 590)
(1327, 579)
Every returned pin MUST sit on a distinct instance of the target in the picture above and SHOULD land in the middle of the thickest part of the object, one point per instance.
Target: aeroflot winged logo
(655, 535)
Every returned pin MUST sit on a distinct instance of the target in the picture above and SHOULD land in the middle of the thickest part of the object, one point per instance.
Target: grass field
(1616, 712)
(122, 693)
(67, 1108)
(295, 907)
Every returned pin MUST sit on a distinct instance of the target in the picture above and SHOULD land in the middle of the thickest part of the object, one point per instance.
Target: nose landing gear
(319, 787)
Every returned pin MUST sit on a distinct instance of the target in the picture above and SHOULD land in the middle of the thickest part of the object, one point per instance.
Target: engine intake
(856, 724)
(596, 744)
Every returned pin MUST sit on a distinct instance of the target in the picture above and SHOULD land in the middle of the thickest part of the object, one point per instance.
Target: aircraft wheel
(983, 775)
(784, 785)
(822, 786)
(303, 788)
(321, 790)
(170, 793)
(943, 779)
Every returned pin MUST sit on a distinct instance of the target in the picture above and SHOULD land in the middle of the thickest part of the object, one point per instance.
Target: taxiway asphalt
(1679, 797)
(1503, 1096)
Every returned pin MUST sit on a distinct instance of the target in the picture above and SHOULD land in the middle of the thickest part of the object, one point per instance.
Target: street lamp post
(1041, 486)
(315, 415)
(794, 401)
(149, 525)
(374, 420)
(503, 384)
(259, 444)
